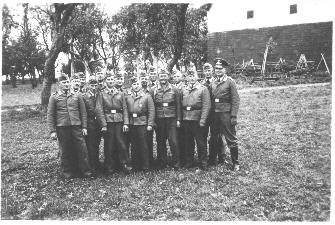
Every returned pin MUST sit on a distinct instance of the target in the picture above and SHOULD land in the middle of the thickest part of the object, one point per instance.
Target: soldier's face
(93, 86)
(144, 81)
(119, 81)
(177, 77)
(75, 83)
(153, 76)
(64, 84)
(101, 83)
(192, 78)
(208, 72)
(136, 86)
(82, 81)
(110, 82)
(220, 71)
(163, 78)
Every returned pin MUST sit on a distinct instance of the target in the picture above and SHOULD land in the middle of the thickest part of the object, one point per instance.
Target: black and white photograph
(167, 111)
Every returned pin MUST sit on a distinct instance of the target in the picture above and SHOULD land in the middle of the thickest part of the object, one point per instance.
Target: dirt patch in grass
(285, 176)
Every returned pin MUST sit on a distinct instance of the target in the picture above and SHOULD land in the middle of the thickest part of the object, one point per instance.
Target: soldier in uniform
(152, 83)
(226, 105)
(144, 84)
(168, 117)
(93, 137)
(101, 81)
(67, 121)
(180, 85)
(112, 114)
(217, 145)
(196, 107)
(142, 112)
(75, 83)
(82, 78)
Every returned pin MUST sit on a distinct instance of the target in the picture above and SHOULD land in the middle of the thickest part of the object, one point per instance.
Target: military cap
(142, 73)
(118, 75)
(81, 74)
(207, 66)
(75, 76)
(163, 71)
(152, 69)
(109, 74)
(219, 62)
(92, 80)
(63, 76)
(134, 80)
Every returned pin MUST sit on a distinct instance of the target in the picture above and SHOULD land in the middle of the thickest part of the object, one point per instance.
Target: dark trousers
(149, 138)
(167, 130)
(139, 147)
(223, 128)
(93, 139)
(73, 150)
(182, 148)
(193, 131)
(216, 146)
(115, 146)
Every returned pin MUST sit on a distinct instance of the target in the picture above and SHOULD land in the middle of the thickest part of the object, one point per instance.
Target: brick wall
(309, 39)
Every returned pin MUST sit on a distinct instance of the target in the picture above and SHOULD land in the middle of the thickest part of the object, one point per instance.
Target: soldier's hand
(104, 129)
(53, 135)
(125, 128)
(149, 128)
(178, 123)
(84, 131)
(201, 124)
(233, 120)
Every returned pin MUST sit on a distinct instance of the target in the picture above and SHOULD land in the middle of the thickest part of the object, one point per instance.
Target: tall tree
(60, 16)
(7, 50)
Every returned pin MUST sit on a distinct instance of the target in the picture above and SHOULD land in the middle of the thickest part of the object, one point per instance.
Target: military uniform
(216, 146)
(93, 137)
(226, 105)
(196, 106)
(112, 113)
(149, 90)
(67, 117)
(142, 112)
(168, 111)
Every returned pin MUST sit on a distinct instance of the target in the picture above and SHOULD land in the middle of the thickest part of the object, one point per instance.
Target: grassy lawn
(22, 95)
(285, 170)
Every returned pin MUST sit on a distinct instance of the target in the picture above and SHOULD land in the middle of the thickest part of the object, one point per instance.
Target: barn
(239, 30)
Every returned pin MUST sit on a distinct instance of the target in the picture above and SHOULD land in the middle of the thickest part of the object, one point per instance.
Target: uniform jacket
(66, 110)
(225, 96)
(90, 100)
(111, 107)
(196, 103)
(179, 86)
(167, 102)
(141, 108)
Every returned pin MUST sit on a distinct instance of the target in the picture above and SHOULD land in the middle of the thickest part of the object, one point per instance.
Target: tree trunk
(180, 30)
(60, 18)
(49, 75)
(33, 79)
(13, 80)
(23, 79)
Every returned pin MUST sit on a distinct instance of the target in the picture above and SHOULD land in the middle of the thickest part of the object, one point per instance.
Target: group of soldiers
(180, 109)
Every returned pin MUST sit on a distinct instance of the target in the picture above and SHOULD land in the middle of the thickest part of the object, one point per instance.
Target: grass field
(285, 170)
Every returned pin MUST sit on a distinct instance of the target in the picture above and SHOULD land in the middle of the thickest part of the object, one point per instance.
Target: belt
(135, 115)
(221, 100)
(113, 111)
(191, 108)
(164, 104)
